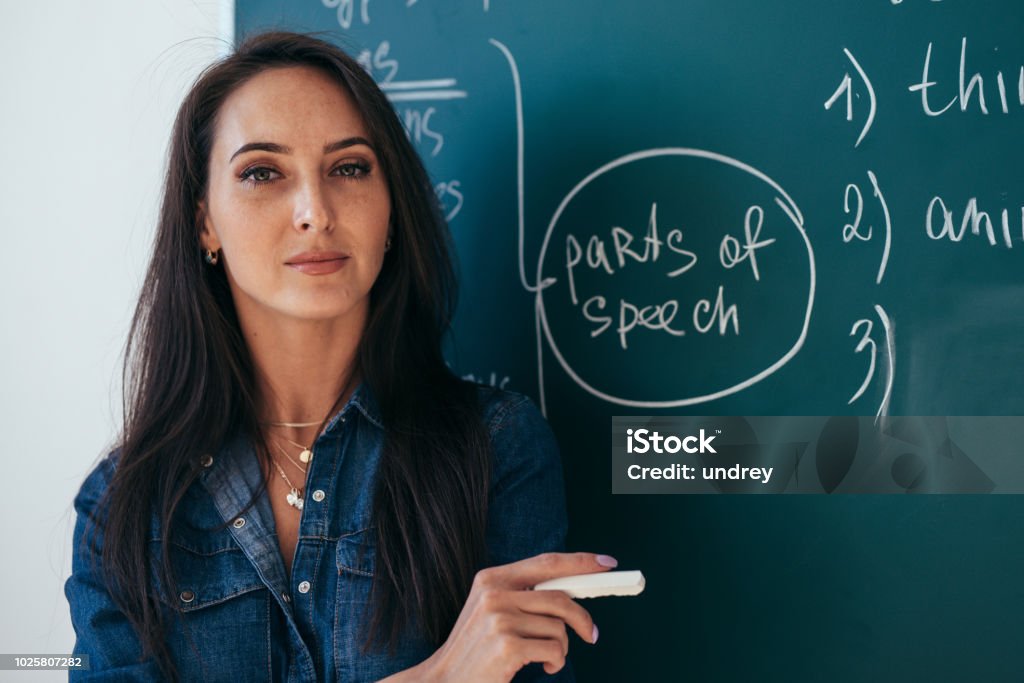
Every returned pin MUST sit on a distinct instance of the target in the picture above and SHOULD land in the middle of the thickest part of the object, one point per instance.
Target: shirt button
(187, 596)
(318, 495)
(304, 587)
(239, 523)
(207, 460)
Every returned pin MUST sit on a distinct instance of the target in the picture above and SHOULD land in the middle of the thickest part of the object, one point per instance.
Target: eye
(353, 169)
(256, 175)
(259, 175)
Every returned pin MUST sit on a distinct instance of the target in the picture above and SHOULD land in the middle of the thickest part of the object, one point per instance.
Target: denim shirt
(247, 620)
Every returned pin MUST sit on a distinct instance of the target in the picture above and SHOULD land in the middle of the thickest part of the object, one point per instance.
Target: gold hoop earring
(211, 257)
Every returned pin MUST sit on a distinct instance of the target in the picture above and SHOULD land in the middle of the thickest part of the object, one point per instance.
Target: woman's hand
(504, 625)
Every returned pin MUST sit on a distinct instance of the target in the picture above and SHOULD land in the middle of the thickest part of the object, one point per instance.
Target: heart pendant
(294, 499)
(306, 455)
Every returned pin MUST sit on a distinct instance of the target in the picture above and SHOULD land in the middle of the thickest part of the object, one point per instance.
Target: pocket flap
(205, 579)
(357, 551)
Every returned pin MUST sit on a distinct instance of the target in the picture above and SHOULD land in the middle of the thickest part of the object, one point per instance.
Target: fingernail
(607, 561)
(593, 637)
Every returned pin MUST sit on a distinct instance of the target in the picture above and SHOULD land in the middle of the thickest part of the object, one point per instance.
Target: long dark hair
(189, 379)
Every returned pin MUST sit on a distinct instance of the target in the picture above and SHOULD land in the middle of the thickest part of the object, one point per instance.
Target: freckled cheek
(252, 256)
(368, 209)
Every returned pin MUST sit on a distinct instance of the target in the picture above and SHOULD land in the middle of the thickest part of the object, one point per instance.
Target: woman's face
(293, 171)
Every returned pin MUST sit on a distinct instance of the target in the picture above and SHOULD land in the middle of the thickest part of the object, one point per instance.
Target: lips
(318, 262)
(315, 257)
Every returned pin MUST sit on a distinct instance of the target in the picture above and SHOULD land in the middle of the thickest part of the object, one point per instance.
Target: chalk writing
(450, 196)
(975, 219)
(624, 278)
(971, 90)
(852, 231)
(604, 254)
(732, 252)
(866, 341)
(493, 379)
(346, 11)
(417, 124)
(846, 88)
(384, 69)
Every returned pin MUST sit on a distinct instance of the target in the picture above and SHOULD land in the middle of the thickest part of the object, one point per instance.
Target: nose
(312, 210)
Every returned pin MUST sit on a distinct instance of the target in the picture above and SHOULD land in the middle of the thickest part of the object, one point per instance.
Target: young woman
(303, 490)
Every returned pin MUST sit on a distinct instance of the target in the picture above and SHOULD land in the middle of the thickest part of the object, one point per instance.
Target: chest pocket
(357, 552)
(206, 578)
(223, 631)
(209, 565)
(356, 559)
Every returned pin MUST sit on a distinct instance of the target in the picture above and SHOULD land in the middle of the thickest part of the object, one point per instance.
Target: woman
(302, 489)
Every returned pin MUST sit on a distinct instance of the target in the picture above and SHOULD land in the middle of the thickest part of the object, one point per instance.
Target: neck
(305, 372)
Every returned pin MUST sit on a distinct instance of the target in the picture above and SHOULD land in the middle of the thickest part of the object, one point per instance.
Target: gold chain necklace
(294, 497)
(290, 458)
(307, 451)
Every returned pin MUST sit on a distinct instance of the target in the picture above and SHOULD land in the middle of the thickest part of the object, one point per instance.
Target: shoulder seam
(501, 415)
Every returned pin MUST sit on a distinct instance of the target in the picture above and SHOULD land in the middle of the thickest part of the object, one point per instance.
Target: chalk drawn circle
(784, 202)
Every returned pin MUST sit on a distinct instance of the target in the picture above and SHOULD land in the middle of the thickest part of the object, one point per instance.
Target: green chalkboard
(733, 207)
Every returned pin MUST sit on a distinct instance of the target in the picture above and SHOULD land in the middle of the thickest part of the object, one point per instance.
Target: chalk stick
(596, 585)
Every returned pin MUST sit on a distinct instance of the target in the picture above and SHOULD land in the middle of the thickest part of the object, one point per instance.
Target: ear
(207, 234)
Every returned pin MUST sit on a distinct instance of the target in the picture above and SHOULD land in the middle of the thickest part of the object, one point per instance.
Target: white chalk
(596, 585)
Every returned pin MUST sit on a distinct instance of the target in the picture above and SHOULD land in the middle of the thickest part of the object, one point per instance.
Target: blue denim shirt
(247, 620)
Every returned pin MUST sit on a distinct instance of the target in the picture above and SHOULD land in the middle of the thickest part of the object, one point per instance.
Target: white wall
(89, 91)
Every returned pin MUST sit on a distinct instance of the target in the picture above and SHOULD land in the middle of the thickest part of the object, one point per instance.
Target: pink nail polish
(593, 637)
(607, 561)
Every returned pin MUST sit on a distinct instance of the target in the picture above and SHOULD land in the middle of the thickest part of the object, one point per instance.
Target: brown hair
(189, 381)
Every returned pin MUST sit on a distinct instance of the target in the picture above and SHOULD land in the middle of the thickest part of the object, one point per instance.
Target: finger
(531, 571)
(544, 650)
(556, 604)
(536, 626)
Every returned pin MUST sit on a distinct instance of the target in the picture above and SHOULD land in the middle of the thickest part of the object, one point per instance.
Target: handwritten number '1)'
(846, 87)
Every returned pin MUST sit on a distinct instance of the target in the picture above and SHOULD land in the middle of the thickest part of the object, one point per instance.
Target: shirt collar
(362, 399)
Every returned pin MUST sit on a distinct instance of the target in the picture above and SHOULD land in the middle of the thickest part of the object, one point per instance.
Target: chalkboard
(732, 207)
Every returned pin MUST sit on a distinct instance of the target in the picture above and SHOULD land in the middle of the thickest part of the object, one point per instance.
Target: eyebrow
(284, 149)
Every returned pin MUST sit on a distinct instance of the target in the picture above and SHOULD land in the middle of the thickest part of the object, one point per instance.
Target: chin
(322, 310)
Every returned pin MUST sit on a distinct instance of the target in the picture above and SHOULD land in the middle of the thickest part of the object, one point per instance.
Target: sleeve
(102, 631)
(527, 512)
